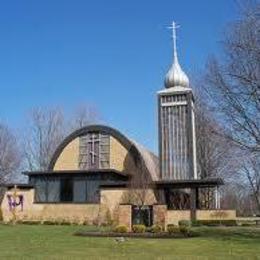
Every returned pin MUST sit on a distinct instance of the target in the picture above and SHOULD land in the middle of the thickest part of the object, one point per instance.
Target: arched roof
(136, 150)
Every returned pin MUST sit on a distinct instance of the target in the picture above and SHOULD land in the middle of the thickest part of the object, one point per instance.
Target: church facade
(98, 175)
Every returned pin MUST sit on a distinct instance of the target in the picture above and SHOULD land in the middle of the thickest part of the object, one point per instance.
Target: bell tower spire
(175, 77)
(177, 141)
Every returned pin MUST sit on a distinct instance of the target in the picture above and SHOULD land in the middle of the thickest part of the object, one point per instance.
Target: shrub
(184, 230)
(65, 222)
(196, 223)
(148, 229)
(156, 229)
(172, 229)
(120, 229)
(1, 215)
(184, 223)
(246, 225)
(85, 222)
(49, 222)
(30, 222)
(138, 228)
(227, 222)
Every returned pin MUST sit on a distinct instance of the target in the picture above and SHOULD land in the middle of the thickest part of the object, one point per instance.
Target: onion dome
(175, 77)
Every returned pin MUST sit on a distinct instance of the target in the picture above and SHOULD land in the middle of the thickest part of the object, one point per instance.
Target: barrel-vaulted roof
(137, 151)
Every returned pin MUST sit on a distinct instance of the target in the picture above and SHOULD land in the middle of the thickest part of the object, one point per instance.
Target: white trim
(176, 103)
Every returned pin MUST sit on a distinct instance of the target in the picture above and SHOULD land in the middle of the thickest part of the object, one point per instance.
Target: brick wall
(125, 216)
(159, 215)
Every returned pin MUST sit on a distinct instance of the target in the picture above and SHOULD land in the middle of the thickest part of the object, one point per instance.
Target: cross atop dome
(175, 77)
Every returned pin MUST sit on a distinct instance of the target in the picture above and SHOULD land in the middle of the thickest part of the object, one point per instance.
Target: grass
(58, 242)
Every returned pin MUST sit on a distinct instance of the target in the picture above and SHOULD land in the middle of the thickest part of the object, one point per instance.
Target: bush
(29, 222)
(184, 230)
(1, 215)
(212, 223)
(184, 223)
(156, 229)
(148, 229)
(138, 228)
(172, 229)
(196, 223)
(50, 222)
(120, 229)
(65, 223)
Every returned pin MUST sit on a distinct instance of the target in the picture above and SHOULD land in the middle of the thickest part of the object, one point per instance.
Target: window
(80, 190)
(41, 187)
(94, 151)
(66, 190)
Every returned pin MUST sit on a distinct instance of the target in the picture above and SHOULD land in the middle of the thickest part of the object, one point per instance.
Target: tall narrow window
(66, 190)
(94, 151)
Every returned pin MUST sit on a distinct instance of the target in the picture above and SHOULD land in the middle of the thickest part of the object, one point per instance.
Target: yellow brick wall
(174, 216)
(120, 159)
(69, 157)
(111, 198)
(125, 216)
(60, 212)
(216, 214)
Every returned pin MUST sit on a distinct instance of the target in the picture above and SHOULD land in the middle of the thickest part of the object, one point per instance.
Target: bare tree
(233, 85)
(251, 169)
(140, 185)
(10, 156)
(46, 131)
(214, 153)
(84, 115)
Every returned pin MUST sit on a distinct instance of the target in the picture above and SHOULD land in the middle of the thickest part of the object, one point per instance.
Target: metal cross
(174, 27)
(92, 141)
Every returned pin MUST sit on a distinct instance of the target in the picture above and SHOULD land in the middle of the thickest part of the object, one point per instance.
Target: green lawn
(58, 242)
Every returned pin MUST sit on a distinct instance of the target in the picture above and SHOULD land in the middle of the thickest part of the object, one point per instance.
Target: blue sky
(109, 54)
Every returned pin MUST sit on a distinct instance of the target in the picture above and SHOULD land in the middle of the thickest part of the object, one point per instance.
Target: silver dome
(175, 77)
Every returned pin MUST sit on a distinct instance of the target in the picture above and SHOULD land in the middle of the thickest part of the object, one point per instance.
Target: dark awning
(195, 183)
(76, 172)
(18, 185)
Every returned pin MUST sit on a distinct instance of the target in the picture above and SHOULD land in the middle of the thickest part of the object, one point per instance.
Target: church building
(98, 175)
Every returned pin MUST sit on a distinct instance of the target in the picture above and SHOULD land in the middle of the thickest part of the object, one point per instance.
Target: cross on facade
(92, 141)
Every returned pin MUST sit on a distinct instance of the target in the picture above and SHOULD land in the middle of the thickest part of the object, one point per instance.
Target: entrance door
(142, 215)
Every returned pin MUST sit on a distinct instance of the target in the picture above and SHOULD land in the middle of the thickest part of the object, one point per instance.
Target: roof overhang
(72, 173)
(17, 185)
(195, 183)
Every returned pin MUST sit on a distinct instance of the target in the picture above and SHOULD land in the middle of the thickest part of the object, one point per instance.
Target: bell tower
(177, 140)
